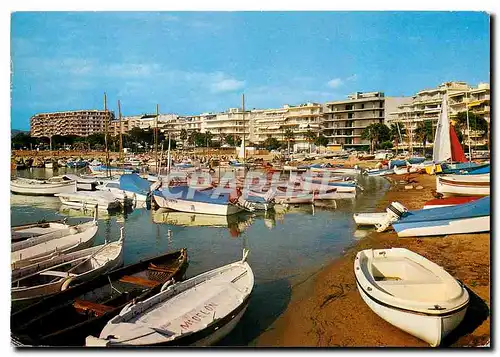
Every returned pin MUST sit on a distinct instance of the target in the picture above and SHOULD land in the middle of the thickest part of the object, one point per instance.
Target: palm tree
(476, 123)
(289, 136)
(375, 133)
(423, 132)
(397, 132)
(310, 137)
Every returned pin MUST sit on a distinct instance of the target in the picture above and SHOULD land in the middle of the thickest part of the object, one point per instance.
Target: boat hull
(450, 187)
(431, 329)
(444, 227)
(368, 219)
(42, 189)
(196, 207)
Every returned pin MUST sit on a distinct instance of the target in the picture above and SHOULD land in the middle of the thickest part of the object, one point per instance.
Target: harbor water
(286, 245)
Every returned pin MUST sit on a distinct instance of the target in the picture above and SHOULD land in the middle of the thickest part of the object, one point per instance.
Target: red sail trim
(457, 153)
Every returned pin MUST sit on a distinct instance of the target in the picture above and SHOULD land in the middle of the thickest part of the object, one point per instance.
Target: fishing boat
(32, 230)
(46, 246)
(449, 201)
(76, 164)
(104, 200)
(379, 172)
(68, 317)
(46, 278)
(136, 187)
(464, 185)
(25, 186)
(295, 168)
(368, 219)
(197, 312)
(467, 168)
(324, 185)
(471, 217)
(187, 199)
(410, 292)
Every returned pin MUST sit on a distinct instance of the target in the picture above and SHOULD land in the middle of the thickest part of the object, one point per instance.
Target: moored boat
(410, 292)
(46, 278)
(31, 230)
(449, 201)
(465, 185)
(199, 311)
(42, 187)
(471, 217)
(48, 245)
(68, 317)
(187, 199)
(104, 200)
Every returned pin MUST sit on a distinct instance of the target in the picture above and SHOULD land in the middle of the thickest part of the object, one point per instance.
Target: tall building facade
(426, 106)
(344, 121)
(79, 122)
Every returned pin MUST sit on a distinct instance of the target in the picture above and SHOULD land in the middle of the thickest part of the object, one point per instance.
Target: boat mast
(106, 134)
(468, 126)
(121, 138)
(243, 106)
(168, 155)
(156, 137)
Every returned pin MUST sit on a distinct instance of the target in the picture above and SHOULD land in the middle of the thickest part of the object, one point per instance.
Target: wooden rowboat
(410, 292)
(31, 230)
(68, 317)
(465, 185)
(199, 311)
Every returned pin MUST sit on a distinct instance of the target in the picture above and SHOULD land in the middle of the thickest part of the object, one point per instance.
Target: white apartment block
(145, 121)
(344, 121)
(299, 119)
(232, 122)
(426, 105)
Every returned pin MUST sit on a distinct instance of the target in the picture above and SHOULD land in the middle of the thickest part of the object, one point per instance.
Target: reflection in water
(285, 245)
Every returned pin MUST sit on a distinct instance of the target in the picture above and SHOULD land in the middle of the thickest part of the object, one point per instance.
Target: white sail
(241, 153)
(442, 143)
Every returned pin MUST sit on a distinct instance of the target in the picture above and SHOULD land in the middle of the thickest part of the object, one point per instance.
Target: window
(363, 106)
(348, 107)
(350, 115)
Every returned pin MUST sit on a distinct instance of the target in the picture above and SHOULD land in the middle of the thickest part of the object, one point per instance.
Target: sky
(195, 62)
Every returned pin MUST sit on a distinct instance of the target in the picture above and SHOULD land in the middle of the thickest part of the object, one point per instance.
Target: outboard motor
(394, 212)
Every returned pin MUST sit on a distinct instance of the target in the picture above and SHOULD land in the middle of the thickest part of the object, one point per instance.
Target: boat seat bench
(98, 309)
(139, 281)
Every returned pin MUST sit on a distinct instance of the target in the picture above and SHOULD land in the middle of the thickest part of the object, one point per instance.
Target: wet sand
(327, 309)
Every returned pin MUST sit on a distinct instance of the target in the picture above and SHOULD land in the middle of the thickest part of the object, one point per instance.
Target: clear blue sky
(194, 62)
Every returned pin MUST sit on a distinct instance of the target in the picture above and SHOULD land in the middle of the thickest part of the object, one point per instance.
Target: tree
(271, 143)
(397, 131)
(208, 138)
(321, 140)
(289, 136)
(310, 137)
(423, 132)
(183, 135)
(476, 123)
(376, 133)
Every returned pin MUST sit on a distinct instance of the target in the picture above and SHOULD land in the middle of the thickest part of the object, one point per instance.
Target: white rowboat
(199, 311)
(41, 187)
(410, 292)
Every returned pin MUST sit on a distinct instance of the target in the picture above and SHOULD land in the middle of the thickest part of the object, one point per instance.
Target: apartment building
(79, 122)
(345, 120)
(232, 122)
(144, 121)
(426, 106)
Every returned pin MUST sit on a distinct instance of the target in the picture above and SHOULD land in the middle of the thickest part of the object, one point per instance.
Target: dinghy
(25, 186)
(410, 292)
(68, 317)
(450, 201)
(368, 219)
(48, 245)
(31, 230)
(187, 199)
(465, 185)
(471, 217)
(104, 200)
(39, 280)
(197, 312)
(87, 184)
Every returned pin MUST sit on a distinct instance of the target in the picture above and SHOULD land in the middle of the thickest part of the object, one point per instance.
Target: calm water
(286, 246)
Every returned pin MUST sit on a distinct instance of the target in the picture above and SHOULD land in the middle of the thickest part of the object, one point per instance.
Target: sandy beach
(327, 310)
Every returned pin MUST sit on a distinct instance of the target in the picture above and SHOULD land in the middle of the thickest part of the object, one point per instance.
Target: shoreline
(327, 310)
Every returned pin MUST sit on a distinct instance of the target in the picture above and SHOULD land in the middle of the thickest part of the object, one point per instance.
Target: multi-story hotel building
(79, 122)
(426, 105)
(145, 121)
(344, 121)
